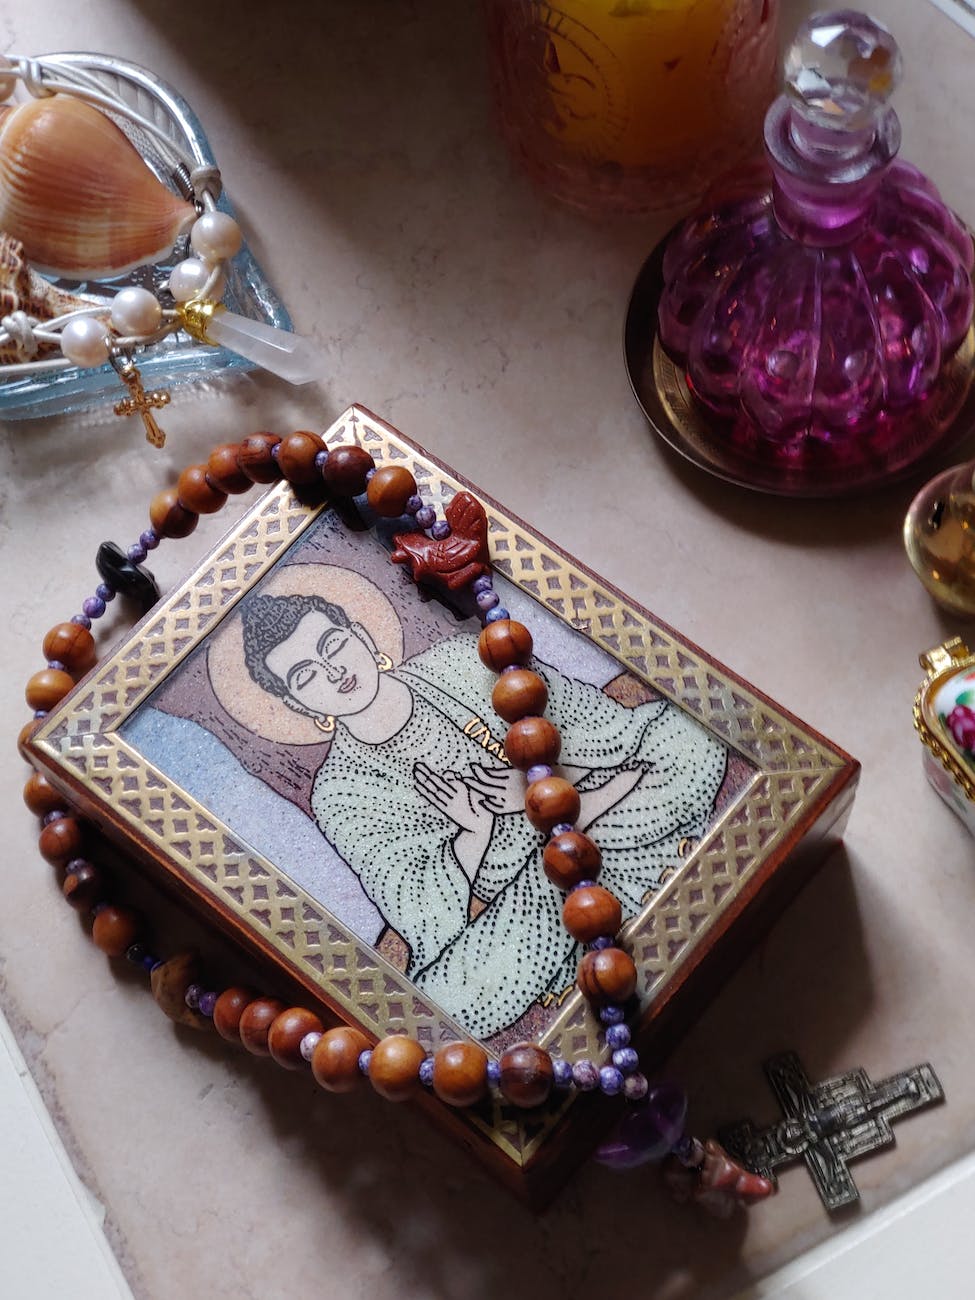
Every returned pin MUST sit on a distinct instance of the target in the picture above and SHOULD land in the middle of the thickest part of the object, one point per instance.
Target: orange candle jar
(631, 105)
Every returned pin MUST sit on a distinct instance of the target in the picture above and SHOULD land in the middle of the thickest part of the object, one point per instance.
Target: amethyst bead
(487, 600)
(647, 1132)
(604, 941)
(538, 773)
(311, 1040)
(618, 1036)
(40, 713)
(440, 530)
(426, 516)
(365, 1058)
(208, 1001)
(583, 884)
(104, 592)
(484, 583)
(56, 663)
(494, 1072)
(276, 451)
(320, 458)
(149, 539)
(136, 553)
(54, 816)
(496, 614)
(81, 619)
(93, 606)
(585, 1076)
(610, 1080)
(426, 1072)
(635, 1086)
(560, 829)
(561, 1072)
(611, 1014)
(626, 1060)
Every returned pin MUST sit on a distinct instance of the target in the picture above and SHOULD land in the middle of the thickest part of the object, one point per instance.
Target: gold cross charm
(139, 402)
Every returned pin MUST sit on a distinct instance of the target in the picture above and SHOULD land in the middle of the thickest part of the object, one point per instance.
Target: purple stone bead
(320, 458)
(75, 865)
(93, 606)
(413, 505)
(561, 1072)
(611, 1014)
(610, 1080)
(487, 600)
(426, 516)
(649, 1131)
(56, 663)
(40, 713)
(136, 553)
(626, 1060)
(440, 530)
(104, 592)
(54, 816)
(582, 884)
(538, 773)
(208, 1001)
(617, 1036)
(192, 996)
(81, 619)
(276, 451)
(496, 615)
(604, 941)
(494, 1072)
(369, 475)
(635, 1086)
(365, 1060)
(560, 829)
(585, 1076)
(426, 1072)
(149, 539)
(484, 583)
(311, 1040)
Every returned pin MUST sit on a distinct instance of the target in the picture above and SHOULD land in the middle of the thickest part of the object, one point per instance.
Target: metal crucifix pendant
(828, 1124)
(139, 402)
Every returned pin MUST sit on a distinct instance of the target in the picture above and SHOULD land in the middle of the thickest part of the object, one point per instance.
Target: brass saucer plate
(672, 413)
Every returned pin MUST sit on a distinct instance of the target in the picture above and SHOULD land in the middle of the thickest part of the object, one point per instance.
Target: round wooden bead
(285, 1035)
(570, 858)
(255, 1024)
(345, 471)
(61, 840)
(389, 489)
(608, 975)
(296, 457)
(255, 459)
(72, 645)
(223, 471)
(85, 886)
(526, 1075)
(592, 912)
(531, 741)
(228, 1009)
(550, 801)
(335, 1060)
(460, 1074)
(116, 929)
(504, 643)
(519, 694)
(394, 1070)
(168, 517)
(196, 493)
(27, 733)
(40, 796)
(47, 687)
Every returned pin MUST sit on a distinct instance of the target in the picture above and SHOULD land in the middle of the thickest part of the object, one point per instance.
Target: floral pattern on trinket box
(944, 714)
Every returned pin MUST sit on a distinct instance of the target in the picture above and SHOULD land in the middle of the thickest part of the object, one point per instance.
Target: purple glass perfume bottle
(815, 301)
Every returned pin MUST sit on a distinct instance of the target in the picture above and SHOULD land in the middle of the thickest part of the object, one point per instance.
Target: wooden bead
(27, 733)
(285, 1035)
(71, 644)
(460, 1074)
(504, 643)
(335, 1060)
(296, 457)
(570, 858)
(116, 929)
(389, 489)
(608, 975)
(518, 694)
(223, 471)
(345, 470)
(47, 688)
(61, 840)
(228, 1009)
(550, 801)
(85, 886)
(592, 912)
(531, 741)
(255, 459)
(394, 1069)
(40, 796)
(168, 517)
(526, 1075)
(255, 1024)
(196, 493)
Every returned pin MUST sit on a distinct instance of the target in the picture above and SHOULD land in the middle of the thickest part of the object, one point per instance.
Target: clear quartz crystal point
(289, 356)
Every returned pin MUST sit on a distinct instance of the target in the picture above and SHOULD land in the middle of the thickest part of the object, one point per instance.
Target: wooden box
(323, 854)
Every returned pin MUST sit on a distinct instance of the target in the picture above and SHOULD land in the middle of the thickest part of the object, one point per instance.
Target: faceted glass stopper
(841, 69)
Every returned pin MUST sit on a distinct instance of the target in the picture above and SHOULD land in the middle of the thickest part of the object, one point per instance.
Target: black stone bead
(123, 576)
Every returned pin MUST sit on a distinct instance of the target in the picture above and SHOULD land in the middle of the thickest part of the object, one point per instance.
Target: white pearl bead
(135, 311)
(188, 279)
(85, 341)
(216, 237)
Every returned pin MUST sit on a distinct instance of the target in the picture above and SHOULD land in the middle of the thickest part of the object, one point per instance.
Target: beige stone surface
(451, 299)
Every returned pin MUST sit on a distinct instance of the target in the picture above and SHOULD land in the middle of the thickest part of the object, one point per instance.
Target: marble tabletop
(449, 297)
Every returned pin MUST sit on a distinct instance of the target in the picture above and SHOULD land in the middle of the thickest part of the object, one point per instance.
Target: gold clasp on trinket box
(944, 715)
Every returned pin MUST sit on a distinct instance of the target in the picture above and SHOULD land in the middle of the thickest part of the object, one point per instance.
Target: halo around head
(265, 714)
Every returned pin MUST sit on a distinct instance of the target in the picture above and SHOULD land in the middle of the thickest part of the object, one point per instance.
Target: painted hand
(499, 789)
(452, 796)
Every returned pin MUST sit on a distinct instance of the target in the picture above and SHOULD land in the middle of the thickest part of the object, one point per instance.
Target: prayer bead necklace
(459, 1073)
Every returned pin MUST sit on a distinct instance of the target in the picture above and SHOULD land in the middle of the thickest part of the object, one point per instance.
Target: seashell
(22, 289)
(78, 195)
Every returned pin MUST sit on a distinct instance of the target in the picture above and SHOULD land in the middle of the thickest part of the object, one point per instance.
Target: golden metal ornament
(139, 402)
(941, 664)
(195, 317)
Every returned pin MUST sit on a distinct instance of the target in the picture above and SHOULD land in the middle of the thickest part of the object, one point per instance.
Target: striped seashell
(78, 195)
(22, 289)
